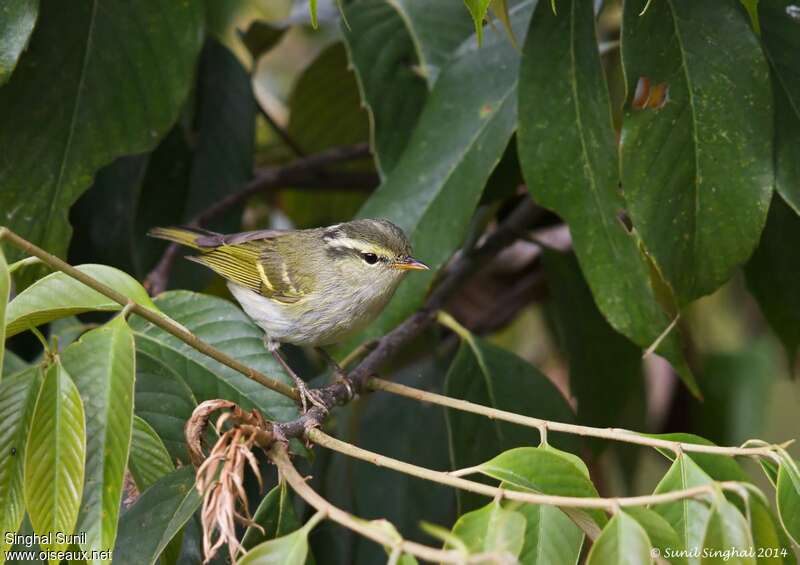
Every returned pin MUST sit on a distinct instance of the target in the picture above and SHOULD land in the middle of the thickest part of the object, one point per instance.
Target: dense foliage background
(654, 287)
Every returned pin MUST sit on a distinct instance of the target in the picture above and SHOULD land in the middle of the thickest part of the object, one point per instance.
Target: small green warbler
(309, 287)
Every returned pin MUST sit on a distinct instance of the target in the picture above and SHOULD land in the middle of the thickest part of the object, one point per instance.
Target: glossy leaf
(275, 514)
(436, 30)
(94, 106)
(58, 295)
(164, 401)
(12, 364)
(599, 358)
(489, 375)
(727, 533)
(623, 541)
(788, 497)
(563, 93)
(291, 549)
(382, 54)
(436, 185)
(773, 277)
(55, 457)
(688, 516)
(5, 292)
(542, 470)
(223, 325)
(661, 535)
(156, 517)
(550, 536)
(17, 399)
(16, 26)
(149, 459)
(102, 363)
(697, 165)
(492, 529)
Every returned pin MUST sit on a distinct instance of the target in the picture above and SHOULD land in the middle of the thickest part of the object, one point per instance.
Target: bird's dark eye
(370, 258)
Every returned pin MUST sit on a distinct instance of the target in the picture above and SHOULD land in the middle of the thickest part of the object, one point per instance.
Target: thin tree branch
(306, 172)
(362, 527)
(151, 316)
(615, 434)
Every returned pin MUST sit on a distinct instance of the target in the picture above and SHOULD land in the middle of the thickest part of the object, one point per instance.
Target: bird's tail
(190, 237)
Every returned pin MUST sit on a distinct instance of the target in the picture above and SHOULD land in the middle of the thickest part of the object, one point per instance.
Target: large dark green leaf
(223, 325)
(102, 363)
(149, 459)
(382, 53)
(599, 358)
(688, 516)
(58, 295)
(459, 139)
(727, 533)
(436, 29)
(223, 156)
(488, 375)
(94, 104)
(773, 275)
(563, 94)
(623, 541)
(165, 402)
(16, 25)
(54, 458)
(17, 399)
(12, 364)
(492, 529)
(697, 169)
(160, 512)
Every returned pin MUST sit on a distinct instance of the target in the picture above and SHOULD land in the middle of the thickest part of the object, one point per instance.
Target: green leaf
(764, 528)
(54, 458)
(5, 293)
(275, 513)
(545, 471)
(773, 278)
(435, 187)
(752, 11)
(17, 400)
(550, 536)
(103, 365)
(612, 363)
(381, 52)
(436, 29)
(93, 106)
(787, 494)
(478, 9)
(661, 535)
(149, 459)
(489, 375)
(58, 295)
(261, 37)
(688, 516)
(12, 364)
(224, 326)
(16, 26)
(164, 401)
(697, 168)
(492, 529)
(291, 549)
(563, 89)
(787, 154)
(727, 534)
(623, 541)
(718, 467)
(156, 517)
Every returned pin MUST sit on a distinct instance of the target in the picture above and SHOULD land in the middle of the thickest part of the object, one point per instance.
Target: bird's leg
(306, 395)
(338, 372)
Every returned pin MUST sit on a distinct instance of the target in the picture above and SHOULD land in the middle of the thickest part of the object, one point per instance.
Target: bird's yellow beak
(410, 264)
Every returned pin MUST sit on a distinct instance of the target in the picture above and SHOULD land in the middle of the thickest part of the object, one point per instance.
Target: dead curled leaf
(220, 476)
